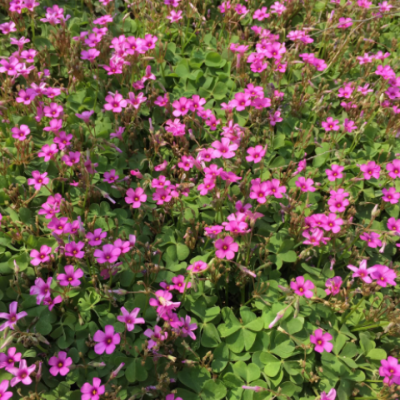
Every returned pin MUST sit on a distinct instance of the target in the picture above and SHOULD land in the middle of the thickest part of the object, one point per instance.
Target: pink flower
(349, 126)
(277, 8)
(115, 102)
(106, 341)
(333, 285)
(273, 188)
(394, 169)
(155, 337)
(85, 116)
(41, 256)
(11, 67)
(338, 203)
(371, 239)
(163, 302)
(60, 364)
(274, 118)
(110, 177)
(179, 284)
(390, 195)
(73, 249)
(92, 392)
(129, 318)
(330, 396)
(394, 225)
(135, 197)
(7, 27)
(226, 248)
(345, 23)
(41, 289)
(20, 133)
(162, 196)
(38, 180)
(187, 328)
(174, 16)
(71, 277)
(321, 341)
(22, 373)
(48, 151)
(241, 101)
(4, 395)
(259, 192)
(335, 172)
(108, 254)
(90, 54)
(332, 223)
(305, 185)
(71, 158)
(384, 275)
(26, 96)
(7, 360)
(330, 124)
(361, 272)
(197, 267)
(255, 154)
(302, 287)
(370, 170)
(224, 148)
(390, 369)
(181, 106)
(12, 317)
(261, 14)
(96, 237)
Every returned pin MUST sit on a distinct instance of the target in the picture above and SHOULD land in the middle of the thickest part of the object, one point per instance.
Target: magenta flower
(20, 133)
(129, 318)
(349, 126)
(115, 102)
(302, 287)
(155, 336)
(371, 239)
(197, 267)
(90, 54)
(73, 157)
(274, 188)
(275, 118)
(370, 170)
(181, 106)
(179, 283)
(332, 223)
(321, 341)
(135, 197)
(108, 254)
(71, 277)
(163, 302)
(22, 373)
(53, 111)
(4, 395)
(7, 360)
(170, 397)
(85, 116)
(92, 392)
(394, 169)
(330, 124)
(259, 192)
(224, 149)
(226, 247)
(187, 328)
(305, 185)
(394, 225)
(335, 172)
(384, 275)
(110, 177)
(330, 396)
(390, 369)
(255, 154)
(390, 195)
(338, 203)
(73, 249)
(12, 317)
(48, 151)
(333, 285)
(41, 289)
(41, 256)
(241, 101)
(60, 364)
(38, 180)
(186, 163)
(96, 237)
(106, 341)
(361, 272)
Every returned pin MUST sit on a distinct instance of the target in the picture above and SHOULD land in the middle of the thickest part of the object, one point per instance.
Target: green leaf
(248, 372)
(213, 390)
(182, 251)
(210, 336)
(194, 377)
(213, 59)
(273, 364)
(377, 354)
(135, 372)
(221, 358)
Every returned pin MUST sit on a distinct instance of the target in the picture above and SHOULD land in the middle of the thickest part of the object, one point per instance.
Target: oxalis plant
(199, 200)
